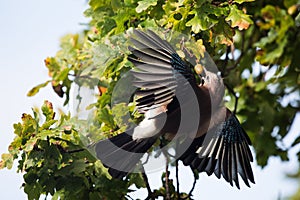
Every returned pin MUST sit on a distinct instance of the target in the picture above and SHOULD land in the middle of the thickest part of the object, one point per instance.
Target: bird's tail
(121, 153)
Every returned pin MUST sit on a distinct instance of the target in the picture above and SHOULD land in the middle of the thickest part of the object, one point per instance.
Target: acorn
(198, 68)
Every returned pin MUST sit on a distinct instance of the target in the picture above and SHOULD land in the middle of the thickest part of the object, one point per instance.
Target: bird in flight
(178, 106)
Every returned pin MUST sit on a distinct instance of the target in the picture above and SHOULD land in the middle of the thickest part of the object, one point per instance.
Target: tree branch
(167, 177)
(177, 179)
(129, 197)
(225, 62)
(193, 187)
(165, 153)
(150, 194)
(227, 70)
(230, 89)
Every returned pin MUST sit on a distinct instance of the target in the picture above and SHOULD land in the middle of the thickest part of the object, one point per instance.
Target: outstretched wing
(225, 153)
(159, 70)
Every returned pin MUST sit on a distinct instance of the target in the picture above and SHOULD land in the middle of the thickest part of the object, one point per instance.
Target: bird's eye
(207, 78)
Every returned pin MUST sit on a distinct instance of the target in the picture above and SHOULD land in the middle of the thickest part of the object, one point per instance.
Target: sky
(30, 32)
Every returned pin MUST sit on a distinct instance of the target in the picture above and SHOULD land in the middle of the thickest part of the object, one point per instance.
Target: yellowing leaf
(242, 1)
(238, 18)
(37, 88)
(223, 40)
(7, 161)
(144, 5)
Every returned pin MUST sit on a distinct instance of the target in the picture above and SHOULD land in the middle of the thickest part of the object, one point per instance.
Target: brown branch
(177, 179)
(167, 178)
(150, 194)
(225, 61)
(193, 187)
(145, 178)
(165, 153)
(129, 197)
(239, 58)
(75, 151)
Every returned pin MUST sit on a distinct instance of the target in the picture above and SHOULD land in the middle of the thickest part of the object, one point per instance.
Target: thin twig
(129, 197)
(147, 159)
(235, 96)
(225, 61)
(75, 151)
(167, 179)
(232, 51)
(239, 58)
(193, 187)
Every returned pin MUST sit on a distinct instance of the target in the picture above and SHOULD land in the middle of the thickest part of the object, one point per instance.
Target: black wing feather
(225, 153)
(159, 70)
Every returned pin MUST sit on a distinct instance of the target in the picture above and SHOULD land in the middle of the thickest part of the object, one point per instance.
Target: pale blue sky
(30, 31)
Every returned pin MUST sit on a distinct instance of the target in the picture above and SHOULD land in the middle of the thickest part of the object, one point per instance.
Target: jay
(179, 107)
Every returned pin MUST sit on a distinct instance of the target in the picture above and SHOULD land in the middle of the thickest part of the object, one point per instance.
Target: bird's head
(212, 80)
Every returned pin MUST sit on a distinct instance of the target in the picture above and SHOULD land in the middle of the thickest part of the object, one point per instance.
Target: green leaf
(18, 129)
(121, 114)
(196, 25)
(271, 53)
(106, 116)
(36, 89)
(116, 5)
(99, 167)
(144, 5)
(260, 86)
(76, 167)
(98, 3)
(137, 179)
(203, 18)
(238, 18)
(33, 191)
(289, 3)
(62, 75)
(243, 1)
(223, 33)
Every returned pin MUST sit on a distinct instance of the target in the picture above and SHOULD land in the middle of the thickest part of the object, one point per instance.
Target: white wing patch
(149, 126)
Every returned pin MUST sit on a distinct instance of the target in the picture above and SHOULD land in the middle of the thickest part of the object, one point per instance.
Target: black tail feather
(121, 153)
